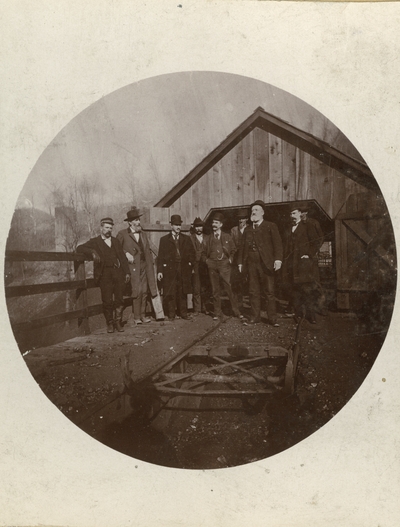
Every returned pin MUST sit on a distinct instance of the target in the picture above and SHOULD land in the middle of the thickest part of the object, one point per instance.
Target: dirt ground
(84, 378)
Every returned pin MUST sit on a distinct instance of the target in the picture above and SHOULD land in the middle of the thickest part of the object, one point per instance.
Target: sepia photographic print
(200, 276)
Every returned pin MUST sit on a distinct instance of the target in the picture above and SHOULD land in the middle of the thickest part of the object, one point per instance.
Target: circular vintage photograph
(200, 270)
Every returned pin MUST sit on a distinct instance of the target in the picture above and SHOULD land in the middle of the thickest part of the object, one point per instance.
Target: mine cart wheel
(254, 404)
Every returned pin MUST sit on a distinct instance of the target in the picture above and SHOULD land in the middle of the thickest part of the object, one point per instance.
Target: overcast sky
(155, 131)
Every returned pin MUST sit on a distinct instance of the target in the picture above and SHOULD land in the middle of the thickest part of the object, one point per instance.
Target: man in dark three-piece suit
(238, 279)
(300, 271)
(111, 272)
(175, 264)
(219, 251)
(200, 272)
(141, 264)
(261, 254)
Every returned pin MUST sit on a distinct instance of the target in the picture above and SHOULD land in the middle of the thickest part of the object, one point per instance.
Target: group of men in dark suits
(254, 252)
(199, 262)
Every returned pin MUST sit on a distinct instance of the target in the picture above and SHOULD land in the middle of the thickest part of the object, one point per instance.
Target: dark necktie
(217, 236)
(176, 241)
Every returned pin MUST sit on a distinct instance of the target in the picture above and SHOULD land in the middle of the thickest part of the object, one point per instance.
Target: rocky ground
(84, 377)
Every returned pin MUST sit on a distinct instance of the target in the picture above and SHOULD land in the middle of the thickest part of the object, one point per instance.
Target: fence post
(81, 297)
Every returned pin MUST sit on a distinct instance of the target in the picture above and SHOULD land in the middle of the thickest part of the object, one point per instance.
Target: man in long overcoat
(219, 251)
(261, 253)
(175, 264)
(137, 250)
(300, 265)
(111, 272)
(200, 272)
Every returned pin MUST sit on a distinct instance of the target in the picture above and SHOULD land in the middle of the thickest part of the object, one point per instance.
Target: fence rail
(81, 284)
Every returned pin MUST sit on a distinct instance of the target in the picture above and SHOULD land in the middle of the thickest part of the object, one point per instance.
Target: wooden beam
(57, 319)
(370, 241)
(212, 393)
(38, 289)
(209, 377)
(41, 256)
(251, 352)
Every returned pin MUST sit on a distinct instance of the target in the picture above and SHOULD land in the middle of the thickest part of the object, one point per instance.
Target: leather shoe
(252, 321)
(110, 327)
(118, 326)
(145, 320)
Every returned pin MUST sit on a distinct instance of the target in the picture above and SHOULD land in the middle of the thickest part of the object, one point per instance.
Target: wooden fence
(80, 285)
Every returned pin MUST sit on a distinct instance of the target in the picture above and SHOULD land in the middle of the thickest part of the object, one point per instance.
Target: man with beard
(175, 264)
(137, 250)
(261, 254)
(218, 253)
(300, 270)
(111, 271)
(200, 274)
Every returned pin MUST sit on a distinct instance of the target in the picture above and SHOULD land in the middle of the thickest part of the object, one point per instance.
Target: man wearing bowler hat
(300, 271)
(175, 264)
(137, 250)
(238, 279)
(219, 251)
(261, 254)
(200, 273)
(111, 271)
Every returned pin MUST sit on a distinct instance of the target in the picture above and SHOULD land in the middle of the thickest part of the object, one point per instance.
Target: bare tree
(89, 193)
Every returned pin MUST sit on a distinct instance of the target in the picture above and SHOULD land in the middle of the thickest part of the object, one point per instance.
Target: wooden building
(269, 159)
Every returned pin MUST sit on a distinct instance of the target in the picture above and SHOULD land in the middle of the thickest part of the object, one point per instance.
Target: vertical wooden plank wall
(274, 186)
(261, 155)
(262, 166)
(237, 174)
(288, 172)
(249, 194)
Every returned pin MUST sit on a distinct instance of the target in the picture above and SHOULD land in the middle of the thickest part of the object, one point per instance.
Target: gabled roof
(347, 165)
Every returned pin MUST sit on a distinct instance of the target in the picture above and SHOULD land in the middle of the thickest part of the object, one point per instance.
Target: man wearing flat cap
(200, 274)
(300, 271)
(261, 254)
(137, 250)
(219, 251)
(175, 264)
(238, 279)
(111, 272)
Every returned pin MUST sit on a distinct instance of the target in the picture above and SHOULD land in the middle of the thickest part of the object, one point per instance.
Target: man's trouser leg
(196, 288)
(215, 286)
(181, 297)
(254, 286)
(106, 288)
(205, 287)
(237, 280)
(268, 284)
(312, 294)
(225, 274)
(298, 300)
